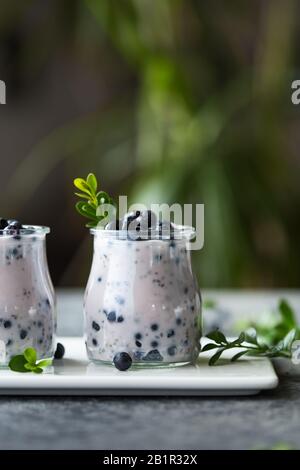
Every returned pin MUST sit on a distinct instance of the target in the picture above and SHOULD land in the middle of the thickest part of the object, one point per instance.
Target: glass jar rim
(26, 231)
(181, 232)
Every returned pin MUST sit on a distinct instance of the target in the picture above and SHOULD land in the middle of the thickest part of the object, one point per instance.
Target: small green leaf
(239, 340)
(44, 363)
(92, 224)
(30, 367)
(82, 195)
(85, 210)
(81, 184)
(217, 336)
(289, 339)
(238, 355)
(103, 198)
(30, 355)
(209, 346)
(251, 336)
(17, 363)
(37, 370)
(216, 356)
(92, 182)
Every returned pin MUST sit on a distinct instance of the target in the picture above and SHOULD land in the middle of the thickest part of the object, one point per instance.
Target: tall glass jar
(142, 298)
(27, 299)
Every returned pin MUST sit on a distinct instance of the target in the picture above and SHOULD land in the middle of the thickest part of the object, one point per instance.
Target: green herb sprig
(27, 362)
(91, 199)
(258, 340)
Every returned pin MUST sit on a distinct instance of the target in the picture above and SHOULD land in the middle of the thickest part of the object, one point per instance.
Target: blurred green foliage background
(166, 101)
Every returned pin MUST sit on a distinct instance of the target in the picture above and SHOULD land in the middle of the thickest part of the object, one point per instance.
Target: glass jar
(27, 299)
(142, 298)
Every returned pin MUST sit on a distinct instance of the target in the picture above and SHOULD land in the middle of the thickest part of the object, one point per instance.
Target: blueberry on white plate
(122, 361)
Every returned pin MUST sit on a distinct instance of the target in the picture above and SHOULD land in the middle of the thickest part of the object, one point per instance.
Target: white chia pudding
(142, 299)
(27, 301)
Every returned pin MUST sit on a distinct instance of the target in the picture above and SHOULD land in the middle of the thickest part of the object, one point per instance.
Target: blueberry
(154, 327)
(99, 279)
(178, 321)
(154, 344)
(95, 342)
(14, 225)
(60, 351)
(138, 343)
(7, 324)
(3, 223)
(95, 326)
(138, 336)
(120, 319)
(170, 333)
(145, 221)
(122, 361)
(153, 356)
(128, 219)
(23, 334)
(111, 316)
(172, 350)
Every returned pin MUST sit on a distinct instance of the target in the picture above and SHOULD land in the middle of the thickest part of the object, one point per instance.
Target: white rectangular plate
(74, 375)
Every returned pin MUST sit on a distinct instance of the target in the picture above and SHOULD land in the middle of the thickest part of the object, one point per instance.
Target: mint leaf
(30, 355)
(82, 195)
(30, 367)
(17, 363)
(81, 184)
(92, 182)
(83, 209)
(103, 198)
(37, 370)
(91, 200)
(44, 363)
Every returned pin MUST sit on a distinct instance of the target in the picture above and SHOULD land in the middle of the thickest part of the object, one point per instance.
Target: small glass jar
(27, 299)
(142, 298)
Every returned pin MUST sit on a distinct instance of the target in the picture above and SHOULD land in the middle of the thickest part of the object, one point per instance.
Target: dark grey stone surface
(153, 423)
(150, 423)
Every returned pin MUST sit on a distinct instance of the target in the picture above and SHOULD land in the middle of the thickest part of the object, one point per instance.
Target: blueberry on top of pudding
(143, 225)
(3, 223)
(10, 226)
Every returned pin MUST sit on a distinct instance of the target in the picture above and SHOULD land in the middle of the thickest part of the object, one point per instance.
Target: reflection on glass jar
(142, 298)
(27, 300)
